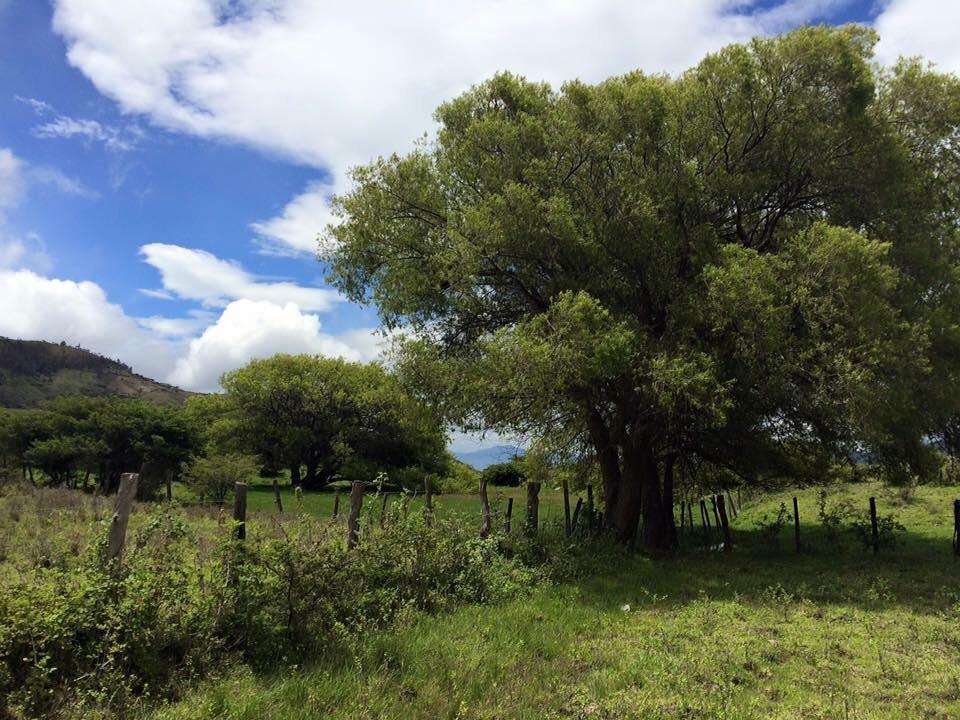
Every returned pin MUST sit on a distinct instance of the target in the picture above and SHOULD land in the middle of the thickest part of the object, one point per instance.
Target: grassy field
(834, 632)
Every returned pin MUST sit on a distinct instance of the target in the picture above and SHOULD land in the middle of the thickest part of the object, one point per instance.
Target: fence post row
(121, 515)
(356, 503)
(240, 510)
(484, 509)
(533, 506)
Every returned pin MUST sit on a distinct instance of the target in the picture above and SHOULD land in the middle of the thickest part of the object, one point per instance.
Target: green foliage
(214, 476)
(507, 474)
(188, 598)
(337, 418)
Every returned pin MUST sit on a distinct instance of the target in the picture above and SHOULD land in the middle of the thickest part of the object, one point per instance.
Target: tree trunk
(608, 457)
(295, 474)
(310, 479)
(629, 497)
(671, 523)
(641, 497)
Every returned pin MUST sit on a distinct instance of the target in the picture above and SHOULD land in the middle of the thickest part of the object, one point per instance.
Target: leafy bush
(214, 476)
(768, 530)
(76, 634)
(507, 474)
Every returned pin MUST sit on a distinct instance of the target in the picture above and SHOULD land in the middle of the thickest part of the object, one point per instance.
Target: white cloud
(23, 252)
(920, 27)
(250, 329)
(40, 308)
(46, 175)
(198, 275)
(295, 231)
(335, 84)
(13, 184)
(90, 131)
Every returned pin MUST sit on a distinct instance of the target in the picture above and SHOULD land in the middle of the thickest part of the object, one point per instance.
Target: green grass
(834, 632)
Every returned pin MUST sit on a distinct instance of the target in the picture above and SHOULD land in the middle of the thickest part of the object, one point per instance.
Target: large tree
(751, 265)
(330, 415)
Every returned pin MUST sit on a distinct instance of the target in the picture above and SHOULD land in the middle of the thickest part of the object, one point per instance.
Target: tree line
(321, 419)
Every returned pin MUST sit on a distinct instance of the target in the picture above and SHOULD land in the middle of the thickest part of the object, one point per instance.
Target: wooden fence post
(796, 523)
(509, 514)
(427, 501)
(336, 503)
(533, 506)
(874, 531)
(704, 516)
(276, 495)
(240, 510)
(733, 506)
(690, 515)
(576, 514)
(716, 515)
(956, 527)
(683, 517)
(484, 509)
(356, 504)
(724, 523)
(567, 527)
(383, 510)
(168, 481)
(590, 517)
(121, 515)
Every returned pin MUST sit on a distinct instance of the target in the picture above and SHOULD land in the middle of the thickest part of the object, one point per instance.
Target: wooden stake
(576, 514)
(724, 523)
(427, 501)
(590, 517)
(956, 527)
(240, 510)
(509, 514)
(796, 524)
(874, 530)
(705, 516)
(383, 510)
(276, 495)
(336, 504)
(690, 515)
(121, 515)
(484, 508)
(356, 504)
(567, 527)
(716, 515)
(733, 507)
(533, 507)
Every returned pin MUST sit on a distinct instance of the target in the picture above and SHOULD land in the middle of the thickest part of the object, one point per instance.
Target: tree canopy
(333, 416)
(751, 266)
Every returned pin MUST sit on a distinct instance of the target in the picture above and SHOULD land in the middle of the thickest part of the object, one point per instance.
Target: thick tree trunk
(310, 481)
(608, 457)
(295, 475)
(630, 496)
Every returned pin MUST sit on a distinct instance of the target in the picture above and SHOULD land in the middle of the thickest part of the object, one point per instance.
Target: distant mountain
(481, 459)
(32, 371)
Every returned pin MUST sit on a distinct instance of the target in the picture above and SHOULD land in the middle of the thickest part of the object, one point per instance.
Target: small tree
(214, 476)
(505, 474)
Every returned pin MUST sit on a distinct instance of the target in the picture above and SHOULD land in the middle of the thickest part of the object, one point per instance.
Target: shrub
(214, 476)
(76, 634)
(508, 474)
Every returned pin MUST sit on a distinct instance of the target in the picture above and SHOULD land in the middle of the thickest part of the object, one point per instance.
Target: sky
(166, 165)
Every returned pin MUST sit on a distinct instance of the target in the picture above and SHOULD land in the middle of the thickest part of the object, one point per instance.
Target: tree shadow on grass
(919, 573)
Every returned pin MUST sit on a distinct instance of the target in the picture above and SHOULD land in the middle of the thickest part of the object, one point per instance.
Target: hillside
(32, 371)
(483, 458)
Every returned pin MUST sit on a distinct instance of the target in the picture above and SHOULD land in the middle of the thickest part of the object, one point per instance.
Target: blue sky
(165, 165)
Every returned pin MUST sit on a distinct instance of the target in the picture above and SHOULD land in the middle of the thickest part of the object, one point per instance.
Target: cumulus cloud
(193, 274)
(40, 308)
(295, 231)
(335, 84)
(250, 329)
(920, 27)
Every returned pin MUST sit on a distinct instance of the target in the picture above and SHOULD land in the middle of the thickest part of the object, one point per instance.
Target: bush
(214, 476)
(76, 635)
(508, 474)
